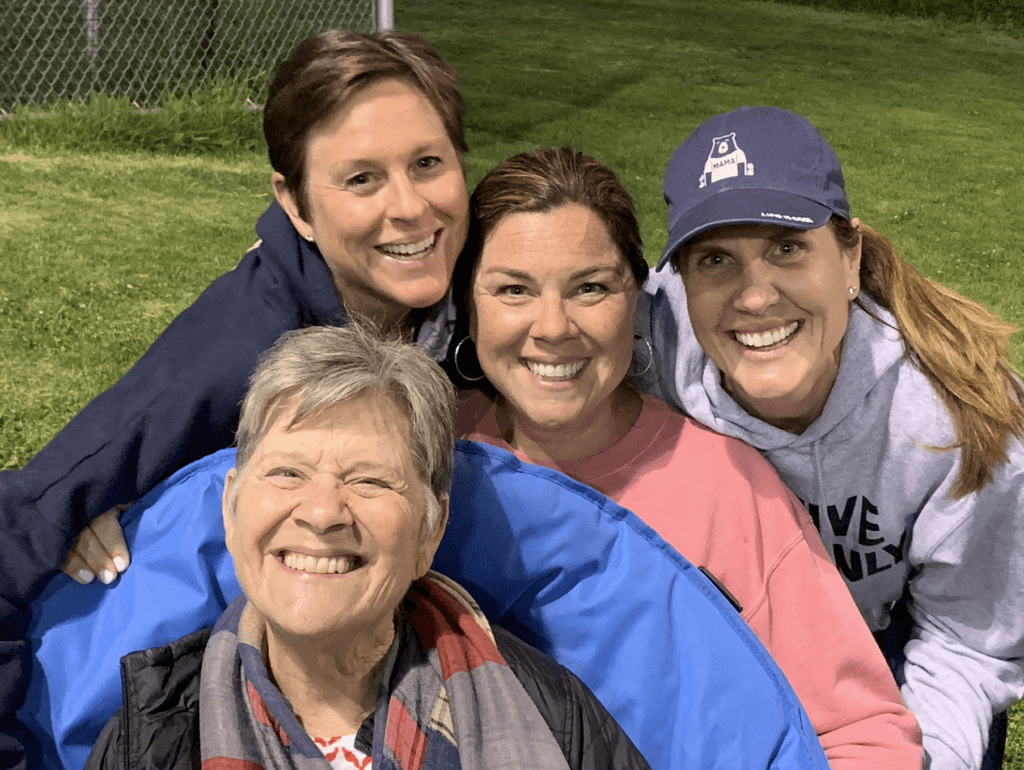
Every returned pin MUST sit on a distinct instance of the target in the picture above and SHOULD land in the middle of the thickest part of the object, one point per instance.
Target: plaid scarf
(447, 698)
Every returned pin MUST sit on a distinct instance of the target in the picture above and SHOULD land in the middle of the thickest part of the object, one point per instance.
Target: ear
(678, 262)
(427, 549)
(287, 201)
(225, 507)
(852, 261)
(471, 307)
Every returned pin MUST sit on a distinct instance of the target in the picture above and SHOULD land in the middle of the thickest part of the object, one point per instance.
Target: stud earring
(852, 291)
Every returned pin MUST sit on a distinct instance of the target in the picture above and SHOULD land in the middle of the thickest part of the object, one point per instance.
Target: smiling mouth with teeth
(767, 339)
(323, 565)
(410, 251)
(556, 372)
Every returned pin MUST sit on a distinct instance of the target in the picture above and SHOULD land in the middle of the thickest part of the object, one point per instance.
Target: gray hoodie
(879, 495)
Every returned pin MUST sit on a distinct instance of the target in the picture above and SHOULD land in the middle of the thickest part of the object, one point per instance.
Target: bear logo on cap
(726, 160)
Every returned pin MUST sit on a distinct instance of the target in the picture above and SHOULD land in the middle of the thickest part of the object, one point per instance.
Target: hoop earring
(650, 355)
(458, 369)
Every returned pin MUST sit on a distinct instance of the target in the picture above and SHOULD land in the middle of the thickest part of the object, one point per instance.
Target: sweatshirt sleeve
(812, 627)
(964, 658)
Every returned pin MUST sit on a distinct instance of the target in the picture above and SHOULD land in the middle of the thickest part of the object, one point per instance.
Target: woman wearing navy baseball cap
(884, 400)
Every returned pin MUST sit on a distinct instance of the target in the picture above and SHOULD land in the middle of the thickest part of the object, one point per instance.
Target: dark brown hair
(325, 71)
(540, 181)
(959, 346)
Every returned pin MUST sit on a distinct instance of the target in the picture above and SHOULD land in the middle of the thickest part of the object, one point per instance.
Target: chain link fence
(66, 49)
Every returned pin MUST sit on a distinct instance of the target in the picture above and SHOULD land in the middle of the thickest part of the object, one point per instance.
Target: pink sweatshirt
(723, 507)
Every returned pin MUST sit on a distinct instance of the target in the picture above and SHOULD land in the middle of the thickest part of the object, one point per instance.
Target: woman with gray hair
(344, 650)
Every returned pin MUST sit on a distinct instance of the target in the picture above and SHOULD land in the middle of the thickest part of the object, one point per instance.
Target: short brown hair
(325, 71)
(543, 180)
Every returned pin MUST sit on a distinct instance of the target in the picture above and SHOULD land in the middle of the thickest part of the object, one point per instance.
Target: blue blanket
(554, 561)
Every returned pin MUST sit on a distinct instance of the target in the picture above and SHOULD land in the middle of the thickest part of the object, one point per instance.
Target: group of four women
(784, 400)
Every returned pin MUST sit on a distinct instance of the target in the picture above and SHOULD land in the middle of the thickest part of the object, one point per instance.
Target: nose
(324, 506)
(553, 323)
(757, 291)
(406, 202)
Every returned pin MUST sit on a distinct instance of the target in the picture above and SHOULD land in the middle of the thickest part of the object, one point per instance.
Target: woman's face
(327, 530)
(552, 304)
(387, 199)
(769, 305)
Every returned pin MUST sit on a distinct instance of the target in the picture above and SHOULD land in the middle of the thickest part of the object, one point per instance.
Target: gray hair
(325, 365)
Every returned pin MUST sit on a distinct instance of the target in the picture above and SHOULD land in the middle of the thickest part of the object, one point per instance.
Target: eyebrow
(285, 455)
(772, 233)
(788, 234)
(428, 147)
(586, 272)
(589, 271)
(431, 145)
(359, 465)
(518, 275)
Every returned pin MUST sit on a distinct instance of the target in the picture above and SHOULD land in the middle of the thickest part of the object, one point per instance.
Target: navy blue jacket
(178, 403)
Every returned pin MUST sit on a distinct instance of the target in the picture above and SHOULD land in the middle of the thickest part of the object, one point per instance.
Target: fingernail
(85, 575)
(106, 577)
(120, 563)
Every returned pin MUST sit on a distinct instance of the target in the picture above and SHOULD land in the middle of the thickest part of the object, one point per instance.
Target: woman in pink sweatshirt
(550, 281)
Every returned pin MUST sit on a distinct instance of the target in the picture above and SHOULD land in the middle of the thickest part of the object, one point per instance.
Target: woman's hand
(100, 551)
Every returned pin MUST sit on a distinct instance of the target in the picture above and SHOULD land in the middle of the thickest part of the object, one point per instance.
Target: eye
(789, 249)
(363, 183)
(428, 161)
(369, 487)
(592, 291)
(511, 291)
(284, 477)
(711, 259)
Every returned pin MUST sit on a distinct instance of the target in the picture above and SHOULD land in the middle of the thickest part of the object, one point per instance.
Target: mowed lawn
(103, 244)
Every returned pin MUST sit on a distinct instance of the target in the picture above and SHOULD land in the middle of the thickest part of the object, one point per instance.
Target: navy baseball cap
(761, 165)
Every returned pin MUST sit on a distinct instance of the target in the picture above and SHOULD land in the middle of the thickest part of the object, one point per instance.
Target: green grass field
(111, 222)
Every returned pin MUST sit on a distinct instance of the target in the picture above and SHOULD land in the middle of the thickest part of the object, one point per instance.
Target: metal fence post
(386, 15)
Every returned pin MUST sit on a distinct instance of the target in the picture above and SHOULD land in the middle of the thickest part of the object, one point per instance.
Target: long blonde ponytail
(960, 347)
